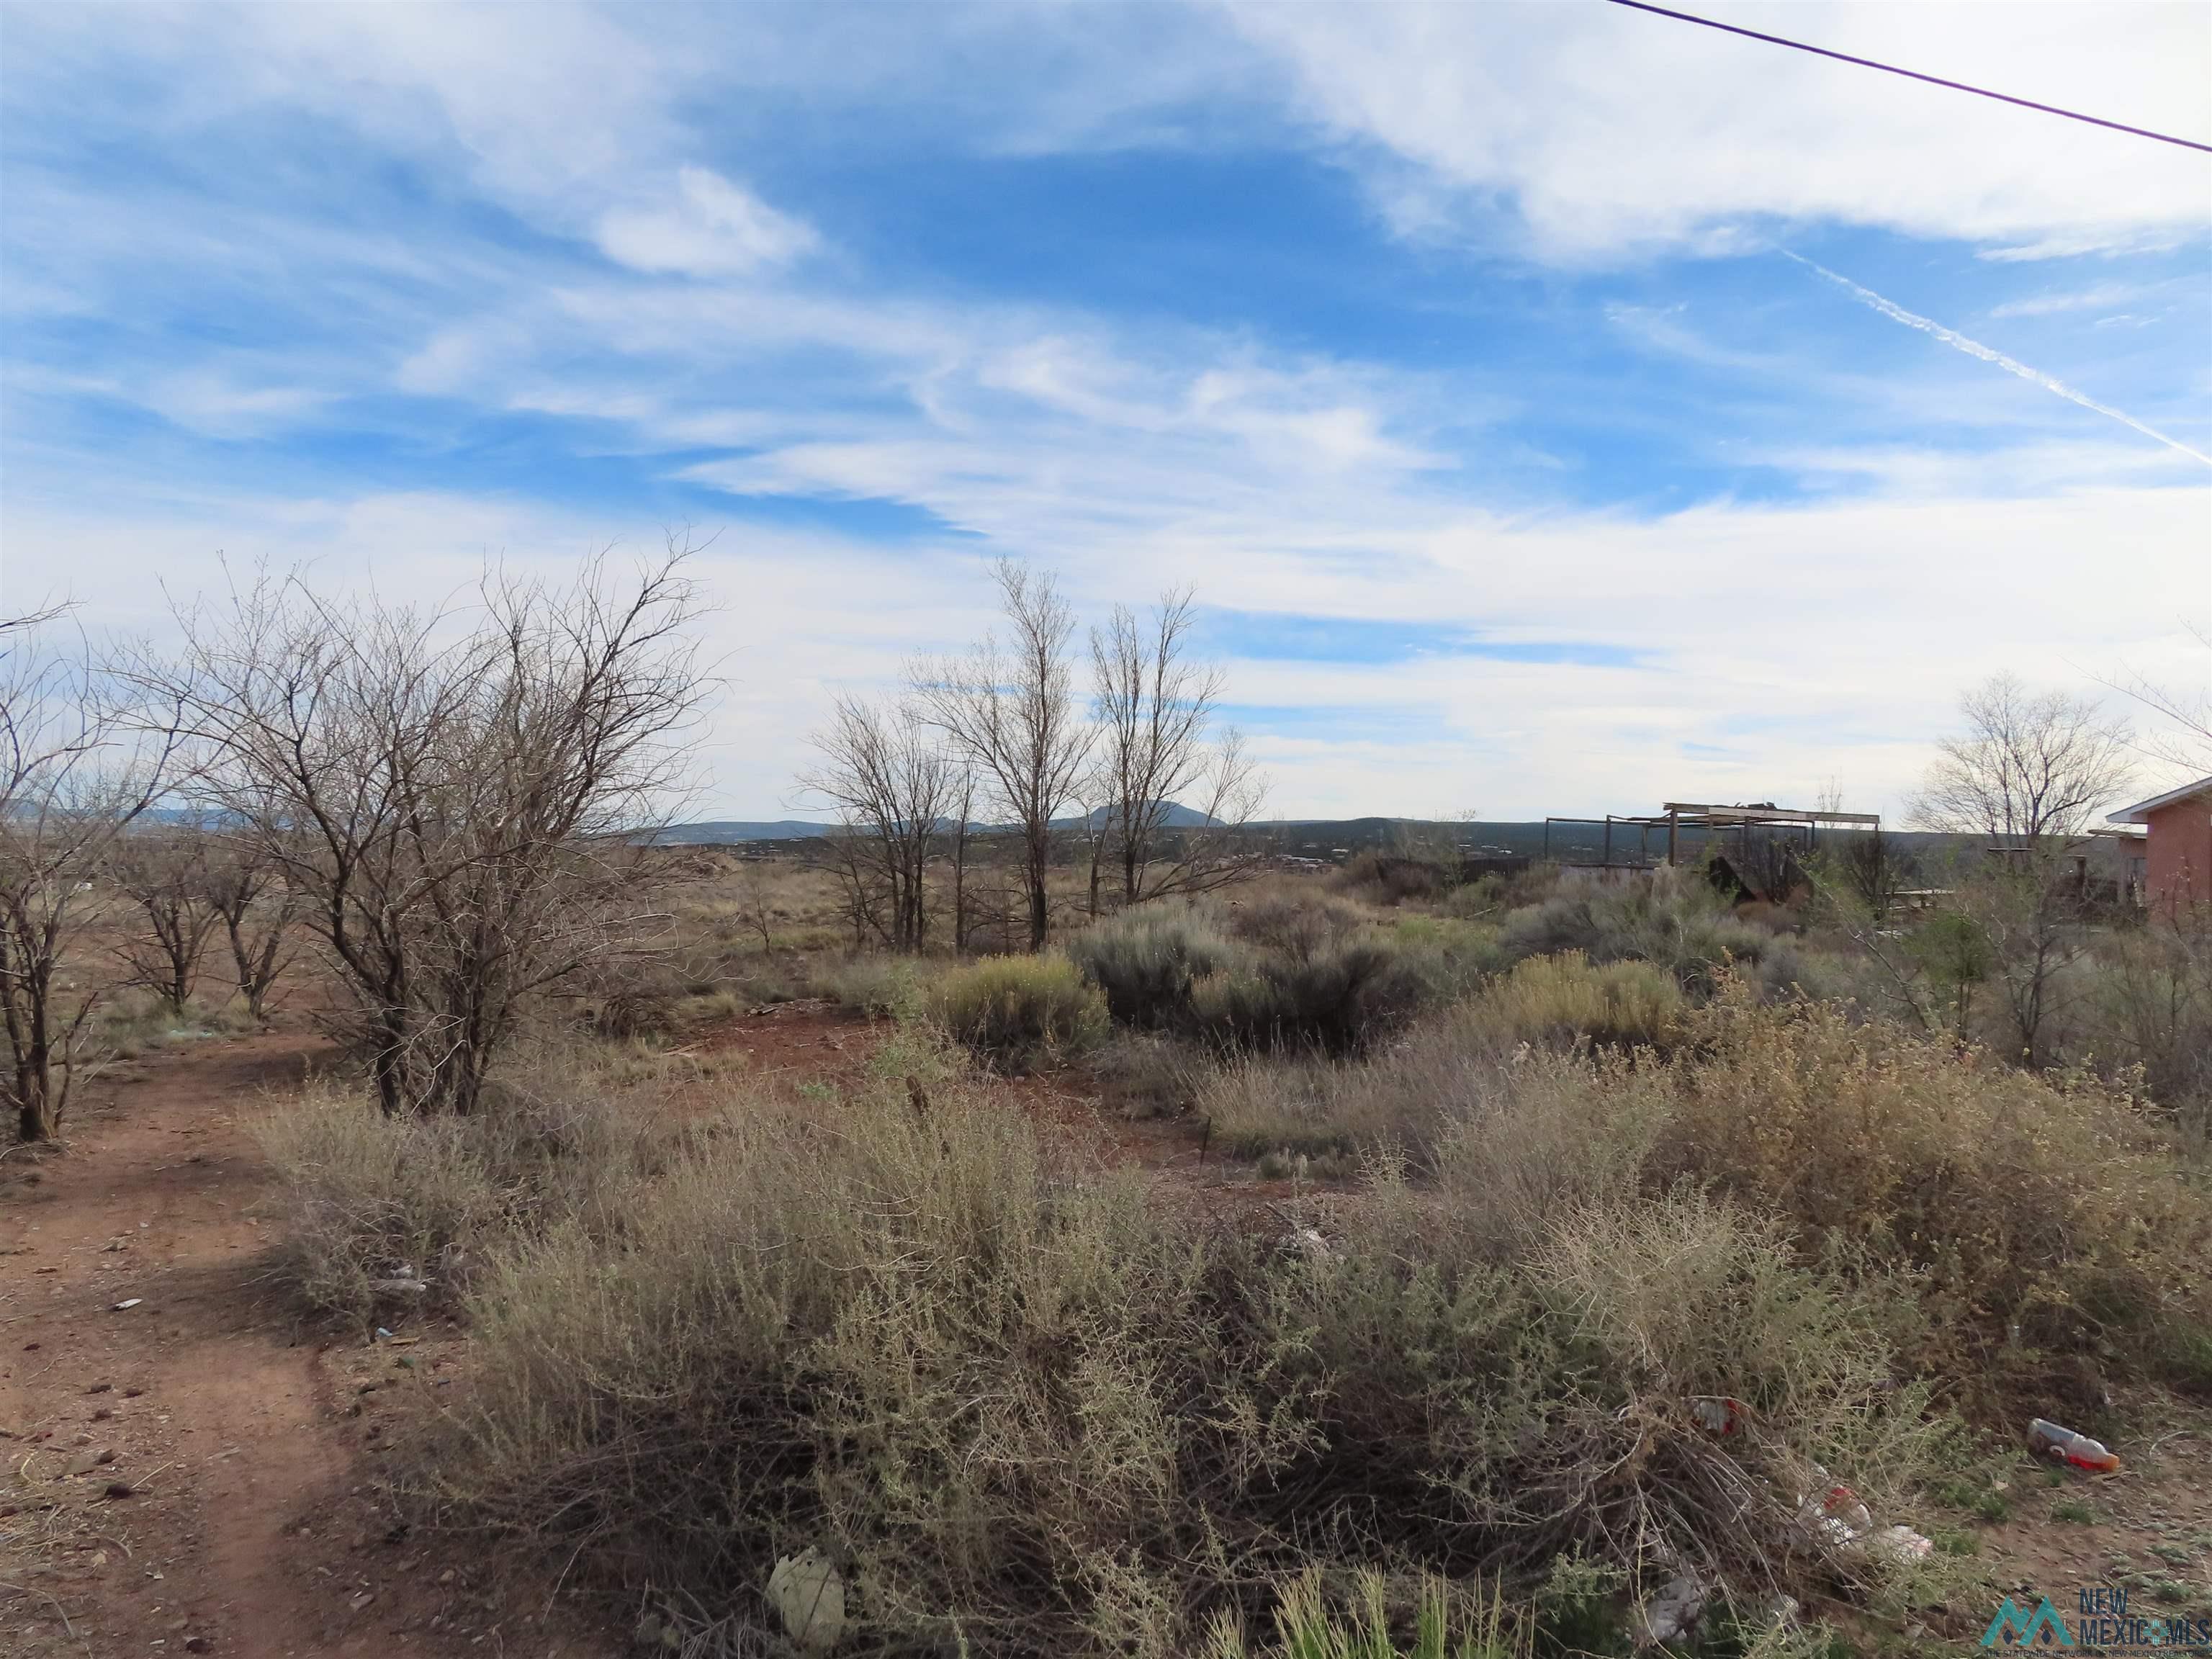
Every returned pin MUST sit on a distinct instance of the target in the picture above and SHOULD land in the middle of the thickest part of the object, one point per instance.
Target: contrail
(2011, 365)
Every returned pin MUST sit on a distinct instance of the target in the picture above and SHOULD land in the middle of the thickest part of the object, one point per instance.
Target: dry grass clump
(369, 1198)
(1447, 1623)
(1021, 1012)
(1454, 1076)
(1023, 1407)
(1671, 917)
(1283, 970)
(2039, 1214)
(1147, 959)
(1256, 1104)
(134, 1021)
(2050, 1230)
(1562, 1000)
(880, 985)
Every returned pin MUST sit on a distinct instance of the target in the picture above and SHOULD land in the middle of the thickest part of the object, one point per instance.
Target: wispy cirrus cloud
(1512, 480)
(1959, 342)
(711, 227)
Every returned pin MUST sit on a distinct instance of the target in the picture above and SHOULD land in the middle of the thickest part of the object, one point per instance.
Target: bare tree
(849, 859)
(163, 870)
(458, 798)
(77, 768)
(1010, 710)
(2033, 767)
(2029, 775)
(245, 889)
(889, 777)
(1159, 749)
(959, 839)
(2183, 738)
(753, 902)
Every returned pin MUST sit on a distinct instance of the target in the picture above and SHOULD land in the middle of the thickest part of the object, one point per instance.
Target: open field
(1242, 1267)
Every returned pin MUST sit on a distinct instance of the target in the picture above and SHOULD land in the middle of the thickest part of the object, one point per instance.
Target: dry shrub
(1543, 1135)
(1380, 877)
(1670, 917)
(2039, 1212)
(879, 986)
(1337, 997)
(1026, 1409)
(1145, 960)
(2053, 1228)
(1453, 1077)
(366, 1194)
(2144, 998)
(900, 1335)
(1297, 922)
(1286, 969)
(633, 1012)
(1688, 1296)
(1562, 1000)
(1019, 1011)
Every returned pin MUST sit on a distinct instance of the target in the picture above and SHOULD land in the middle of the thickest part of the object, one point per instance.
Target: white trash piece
(808, 1593)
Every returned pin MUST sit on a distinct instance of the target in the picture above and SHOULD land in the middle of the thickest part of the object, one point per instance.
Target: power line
(1913, 75)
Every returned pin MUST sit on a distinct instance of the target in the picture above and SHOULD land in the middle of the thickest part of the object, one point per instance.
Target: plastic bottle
(2048, 1439)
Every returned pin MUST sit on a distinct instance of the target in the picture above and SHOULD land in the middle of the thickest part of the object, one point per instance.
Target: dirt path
(189, 1474)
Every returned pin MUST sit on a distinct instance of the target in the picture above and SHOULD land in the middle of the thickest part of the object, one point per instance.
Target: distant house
(2176, 852)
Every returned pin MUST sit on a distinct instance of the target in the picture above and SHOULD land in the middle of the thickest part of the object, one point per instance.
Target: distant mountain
(724, 832)
(1176, 817)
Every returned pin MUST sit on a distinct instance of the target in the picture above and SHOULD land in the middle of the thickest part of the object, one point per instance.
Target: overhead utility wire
(1913, 75)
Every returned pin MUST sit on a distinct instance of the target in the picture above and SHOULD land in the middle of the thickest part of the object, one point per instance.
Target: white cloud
(218, 407)
(1804, 641)
(2101, 296)
(1152, 453)
(1609, 131)
(712, 228)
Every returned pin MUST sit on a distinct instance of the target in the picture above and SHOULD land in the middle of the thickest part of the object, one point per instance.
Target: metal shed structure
(1705, 820)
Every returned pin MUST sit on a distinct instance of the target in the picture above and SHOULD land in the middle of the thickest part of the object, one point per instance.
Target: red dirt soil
(238, 1511)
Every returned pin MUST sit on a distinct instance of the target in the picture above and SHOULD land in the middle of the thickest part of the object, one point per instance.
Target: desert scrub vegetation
(1027, 1407)
(1281, 970)
(1019, 1012)
(1448, 1623)
(2056, 1228)
(1146, 960)
(881, 987)
(1563, 999)
(2045, 1231)
(1672, 918)
(1449, 1073)
(371, 1198)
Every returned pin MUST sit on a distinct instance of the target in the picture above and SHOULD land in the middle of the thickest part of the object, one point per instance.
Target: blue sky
(1475, 365)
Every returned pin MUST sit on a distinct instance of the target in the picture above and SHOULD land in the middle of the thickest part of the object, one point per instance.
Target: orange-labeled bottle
(2063, 1445)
